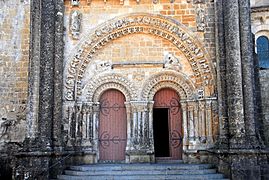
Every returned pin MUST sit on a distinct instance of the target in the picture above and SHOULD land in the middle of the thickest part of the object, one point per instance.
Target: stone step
(141, 172)
(149, 167)
(144, 177)
(183, 177)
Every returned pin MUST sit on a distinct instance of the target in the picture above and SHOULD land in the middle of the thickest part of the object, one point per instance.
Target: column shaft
(234, 71)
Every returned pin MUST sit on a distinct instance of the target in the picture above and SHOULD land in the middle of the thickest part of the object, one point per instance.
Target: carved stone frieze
(154, 25)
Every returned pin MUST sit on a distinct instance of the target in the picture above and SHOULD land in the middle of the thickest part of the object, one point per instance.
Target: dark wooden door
(167, 108)
(112, 126)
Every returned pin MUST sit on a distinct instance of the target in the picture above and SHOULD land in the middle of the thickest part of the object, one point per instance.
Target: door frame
(180, 138)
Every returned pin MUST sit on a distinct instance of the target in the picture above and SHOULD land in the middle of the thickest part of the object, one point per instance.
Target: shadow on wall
(5, 169)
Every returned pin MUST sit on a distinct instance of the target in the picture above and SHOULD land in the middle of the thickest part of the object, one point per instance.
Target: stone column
(185, 125)
(58, 75)
(44, 101)
(202, 121)
(96, 110)
(141, 149)
(242, 160)
(191, 131)
(46, 91)
(196, 121)
(234, 74)
(129, 130)
(248, 71)
(221, 75)
(150, 123)
(34, 70)
(209, 122)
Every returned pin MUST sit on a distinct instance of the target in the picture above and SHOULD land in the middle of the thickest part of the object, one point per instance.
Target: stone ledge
(240, 151)
(48, 153)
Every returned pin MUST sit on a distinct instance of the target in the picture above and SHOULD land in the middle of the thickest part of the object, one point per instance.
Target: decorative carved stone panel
(74, 2)
(200, 19)
(198, 1)
(172, 62)
(75, 23)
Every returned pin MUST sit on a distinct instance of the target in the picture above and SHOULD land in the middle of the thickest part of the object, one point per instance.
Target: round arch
(182, 85)
(177, 34)
(99, 84)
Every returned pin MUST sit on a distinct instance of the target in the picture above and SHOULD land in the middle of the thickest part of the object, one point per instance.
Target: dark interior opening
(161, 132)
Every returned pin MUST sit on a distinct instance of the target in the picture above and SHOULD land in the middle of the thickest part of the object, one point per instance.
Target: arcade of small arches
(199, 121)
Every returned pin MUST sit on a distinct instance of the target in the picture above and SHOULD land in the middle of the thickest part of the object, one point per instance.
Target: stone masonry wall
(14, 58)
(199, 17)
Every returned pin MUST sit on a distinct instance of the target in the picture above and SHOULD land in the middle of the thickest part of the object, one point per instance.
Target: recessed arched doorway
(112, 126)
(167, 125)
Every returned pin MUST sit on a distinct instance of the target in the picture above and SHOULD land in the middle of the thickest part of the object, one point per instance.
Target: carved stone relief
(172, 62)
(74, 2)
(198, 1)
(75, 23)
(200, 19)
(201, 94)
(101, 66)
(154, 25)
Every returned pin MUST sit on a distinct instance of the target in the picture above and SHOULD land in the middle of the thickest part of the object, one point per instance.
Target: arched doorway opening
(167, 125)
(112, 126)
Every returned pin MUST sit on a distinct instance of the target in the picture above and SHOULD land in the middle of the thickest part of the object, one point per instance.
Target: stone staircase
(141, 171)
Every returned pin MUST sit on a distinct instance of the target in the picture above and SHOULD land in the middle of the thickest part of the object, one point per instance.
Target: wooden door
(112, 126)
(167, 108)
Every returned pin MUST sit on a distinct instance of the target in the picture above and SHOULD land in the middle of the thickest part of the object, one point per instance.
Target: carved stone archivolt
(99, 84)
(170, 79)
(155, 25)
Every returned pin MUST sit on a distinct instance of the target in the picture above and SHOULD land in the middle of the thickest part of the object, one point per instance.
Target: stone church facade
(86, 81)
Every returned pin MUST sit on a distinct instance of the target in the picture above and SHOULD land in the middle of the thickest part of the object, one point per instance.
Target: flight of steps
(141, 171)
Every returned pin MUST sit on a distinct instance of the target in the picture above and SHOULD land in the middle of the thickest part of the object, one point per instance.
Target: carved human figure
(200, 19)
(75, 2)
(75, 23)
(171, 62)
